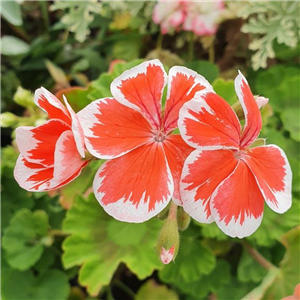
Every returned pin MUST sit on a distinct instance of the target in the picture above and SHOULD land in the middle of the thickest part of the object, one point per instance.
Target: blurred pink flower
(169, 14)
(203, 17)
(200, 17)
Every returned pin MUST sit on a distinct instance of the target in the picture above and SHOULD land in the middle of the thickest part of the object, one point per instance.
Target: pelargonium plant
(201, 18)
(216, 168)
(52, 154)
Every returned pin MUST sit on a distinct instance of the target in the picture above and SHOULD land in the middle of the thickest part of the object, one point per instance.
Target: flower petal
(32, 177)
(37, 144)
(202, 173)
(237, 204)
(176, 151)
(112, 129)
(208, 123)
(76, 128)
(253, 121)
(273, 174)
(183, 84)
(137, 186)
(141, 88)
(67, 160)
(51, 105)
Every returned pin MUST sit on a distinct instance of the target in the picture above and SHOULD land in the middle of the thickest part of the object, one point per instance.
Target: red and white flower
(145, 159)
(224, 179)
(50, 154)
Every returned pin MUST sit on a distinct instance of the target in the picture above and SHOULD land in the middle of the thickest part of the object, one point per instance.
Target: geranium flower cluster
(200, 17)
(213, 168)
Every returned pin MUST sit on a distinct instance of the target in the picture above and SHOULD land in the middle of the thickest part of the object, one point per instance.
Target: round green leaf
(22, 240)
(11, 11)
(11, 45)
(94, 244)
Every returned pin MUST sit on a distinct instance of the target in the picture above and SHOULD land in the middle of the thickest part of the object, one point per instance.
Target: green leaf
(11, 12)
(13, 197)
(57, 73)
(281, 85)
(290, 120)
(11, 45)
(16, 285)
(93, 244)
(289, 267)
(78, 16)
(279, 283)
(126, 235)
(291, 149)
(23, 239)
(128, 49)
(274, 225)
(152, 291)
(225, 89)
(270, 21)
(234, 289)
(249, 269)
(206, 284)
(212, 231)
(208, 70)
(46, 260)
(193, 260)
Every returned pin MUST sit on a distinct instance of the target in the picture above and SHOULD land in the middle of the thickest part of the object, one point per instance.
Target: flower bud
(183, 219)
(237, 107)
(166, 256)
(261, 101)
(23, 97)
(258, 143)
(168, 241)
(8, 119)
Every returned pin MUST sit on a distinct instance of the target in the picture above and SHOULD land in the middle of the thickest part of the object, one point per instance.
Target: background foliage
(62, 245)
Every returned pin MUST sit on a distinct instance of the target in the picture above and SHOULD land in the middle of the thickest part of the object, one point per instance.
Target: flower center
(159, 135)
(240, 154)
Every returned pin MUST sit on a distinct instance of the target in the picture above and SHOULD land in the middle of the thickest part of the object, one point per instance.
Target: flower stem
(211, 52)
(172, 211)
(57, 232)
(159, 41)
(258, 257)
(191, 46)
(125, 288)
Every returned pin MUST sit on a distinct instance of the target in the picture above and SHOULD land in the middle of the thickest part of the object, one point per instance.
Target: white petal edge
(199, 79)
(51, 99)
(76, 128)
(126, 211)
(26, 142)
(22, 173)
(87, 119)
(195, 209)
(234, 228)
(131, 73)
(284, 199)
(196, 105)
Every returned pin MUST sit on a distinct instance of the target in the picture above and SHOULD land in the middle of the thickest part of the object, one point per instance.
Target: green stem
(172, 211)
(211, 53)
(159, 41)
(57, 232)
(258, 257)
(191, 46)
(44, 9)
(20, 32)
(125, 288)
